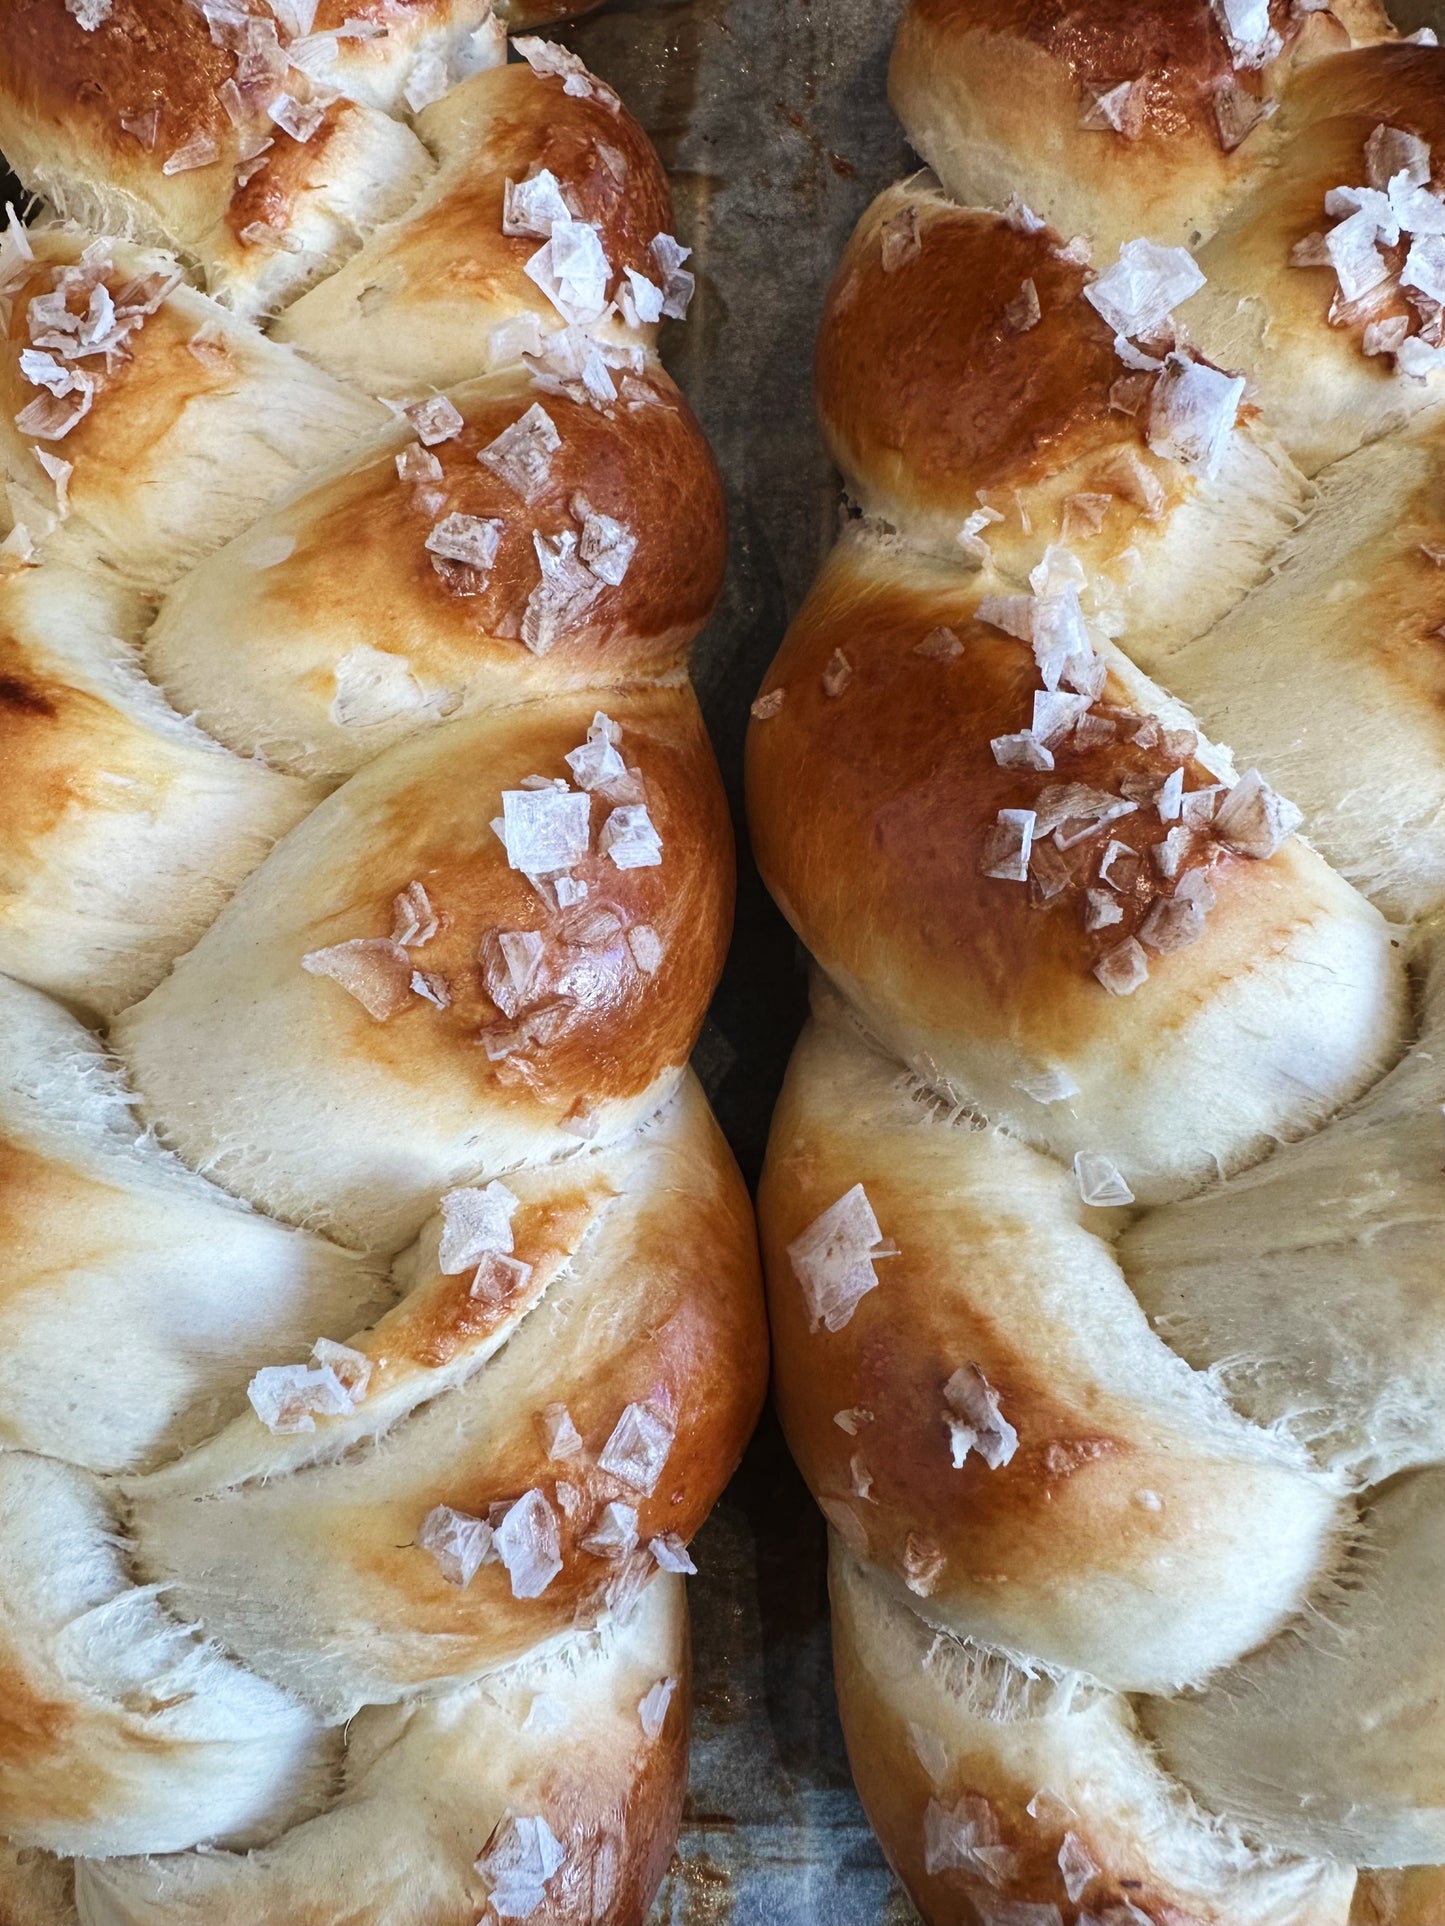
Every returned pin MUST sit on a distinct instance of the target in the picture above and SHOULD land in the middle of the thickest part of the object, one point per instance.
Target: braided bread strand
(379, 1313)
(1103, 1201)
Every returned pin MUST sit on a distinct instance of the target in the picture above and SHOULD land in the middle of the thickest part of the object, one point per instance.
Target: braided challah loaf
(379, 1311)
(1102, 1215)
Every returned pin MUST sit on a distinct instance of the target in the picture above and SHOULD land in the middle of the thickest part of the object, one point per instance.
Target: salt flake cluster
(833, 1259)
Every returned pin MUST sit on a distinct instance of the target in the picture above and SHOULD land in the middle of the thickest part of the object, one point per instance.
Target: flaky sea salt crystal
(1101, 910)
(1173, 923)
(615, 1533)
(833, 1259)
(373, 969)
(630, 839)
(1390, 151)
(1092, 732)
(1357, 262)
(289, 1398)
(431, 988)
(510, 962)
(199, 151)
(457, 1541)
(521, 456)
(1237, 112)
(598, 760)
(468, 539)
(1047, 1086)
(898, 241)
(1414, 357)
(545, 830)
(678, 285)
(1055, 713)
(1099, 1181)
(1014, 614)
(51, 417)
(1253, 820)
(1137, 295)
(965, 1838)
(59, 473)
(434, 419)
(638, 1448)
(475, 1221)
(1119, 109)
(1122, 969)
(1021, 217)
(1247, 32)
(1021, 751)
(1006, 846)
(1061, 644)
(1425, 266)
(520, 1858)
(414, 922)
(533, 206)
(1170, 856)
(671, 1554)
(560, 1437)
(568, 588)
(1417, 210)
(837, 674)
(939, 645)
(1023, 312)
(1170, 798)
(1049, 874)
(1192, 413)
(1078, 1866)
(975, 1421)
(607, 547)
(499, 1278)
(652, 1707)
(852, 1419)
(527, 1543)
(89, 14)
(572, 271)
(1384, 337)
(646, 948)
(299, 119)
(353, 1368)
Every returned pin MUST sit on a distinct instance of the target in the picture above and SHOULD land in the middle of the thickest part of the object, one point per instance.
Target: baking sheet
(772, 120)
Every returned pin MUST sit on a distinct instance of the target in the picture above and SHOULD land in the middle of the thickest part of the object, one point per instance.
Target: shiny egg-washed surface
(1133, 1468)
(304, 1053)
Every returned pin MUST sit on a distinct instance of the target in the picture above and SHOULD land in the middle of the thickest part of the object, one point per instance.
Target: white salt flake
(1021, 751)
(1014, 614)
(474, 1222)
(638, 1448)
(639, 299)
(671, 1554)
(434, 419)
(1122, 969)
(560, 1436)
(562, 597)
(965, 1838)
(527, 1543)
(289, 1398)
(1425, 266)
(1023, 312)
(89, 14)
(374, 970)
(1101, 910)
(833, 1259)
(1249, 36)
(1137, 295)
(629, 838)
(572, 271)
(1173, 923)
(975, 1421)
(520, 1858)
(414, 922)
(1358, 263)
(1078, 1866)
(458, 1542)
(1385, 337)
(533, 207)
(1253, 820)
(1192, 413)
(521, 456)
(615, 1533)
(59, 473)
(1414, 357)
(1391, 151)
(939, 645)
(1047, 1086)
(598, 760)
(1416, 210)
(352, 1368)
(646, 948)
(545, 830)
(1006, 846)
(837, 674)
(677, 284)
(469, 539)
(898, 240)
(1119, 109)
(849, 1421)
(199, 151)
(1237, 112)
(652, 1707)
(1099, 1181)
(607, 547)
